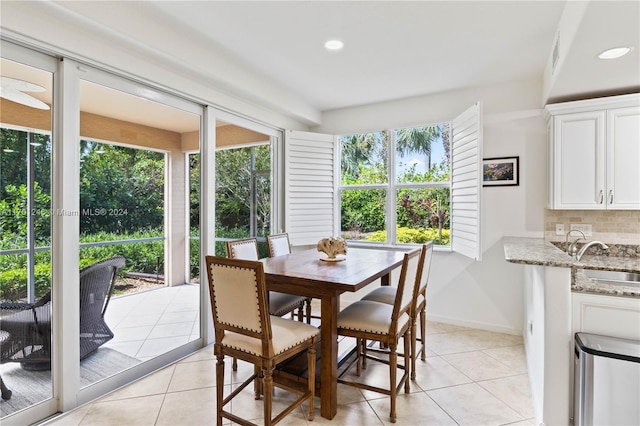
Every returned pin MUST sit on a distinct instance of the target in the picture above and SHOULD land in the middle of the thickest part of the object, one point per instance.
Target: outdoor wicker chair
(25, 334)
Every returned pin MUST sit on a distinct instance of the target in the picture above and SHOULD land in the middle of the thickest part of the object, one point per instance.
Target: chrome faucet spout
(586, 246)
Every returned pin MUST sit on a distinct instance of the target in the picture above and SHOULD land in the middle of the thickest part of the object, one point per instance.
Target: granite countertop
(537, 251)
(581, 283)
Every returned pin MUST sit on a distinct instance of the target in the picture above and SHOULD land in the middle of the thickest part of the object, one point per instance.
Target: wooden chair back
(278, 244)
(234, 283)
(409, 279)
(246, 249)
(427, 254)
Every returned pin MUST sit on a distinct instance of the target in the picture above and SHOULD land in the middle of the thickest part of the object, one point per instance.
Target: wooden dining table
(304, 273)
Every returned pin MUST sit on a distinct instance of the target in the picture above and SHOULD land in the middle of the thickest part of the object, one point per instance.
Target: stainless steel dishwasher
(606, 380)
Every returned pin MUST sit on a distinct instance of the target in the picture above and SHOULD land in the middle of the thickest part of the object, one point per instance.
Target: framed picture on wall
(501, 171)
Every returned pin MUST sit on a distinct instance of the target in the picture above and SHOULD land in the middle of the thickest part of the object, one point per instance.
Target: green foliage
(13, 216)
(13, 282)
(362, 210)
(362, 153)
(147, 257)
(364, 162)
(239, 174)
(413, 236)
(220, 246)
(14, 145)
(121, 198)
(416, 139)
(121, 189)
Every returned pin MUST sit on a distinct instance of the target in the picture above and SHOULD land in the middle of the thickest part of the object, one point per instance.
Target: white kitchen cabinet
(595, 153)
(607, 315)
(623, 158)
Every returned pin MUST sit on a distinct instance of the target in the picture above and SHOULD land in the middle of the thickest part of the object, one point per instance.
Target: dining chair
(279, 245)
(386, 294)
(254, 336)
(368, 320)
(280, 304)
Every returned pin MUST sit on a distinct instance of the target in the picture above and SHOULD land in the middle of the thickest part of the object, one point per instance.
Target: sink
(630, 279)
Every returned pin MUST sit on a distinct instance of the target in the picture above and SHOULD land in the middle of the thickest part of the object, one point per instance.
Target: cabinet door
(579, 151)
(623, 158)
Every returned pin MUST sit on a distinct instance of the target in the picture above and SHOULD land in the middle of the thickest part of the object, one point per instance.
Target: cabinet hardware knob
(611, 196)
(601, 197)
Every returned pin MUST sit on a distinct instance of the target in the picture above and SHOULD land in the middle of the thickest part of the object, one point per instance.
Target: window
(243, 195)
(243, 199)
(395, 185)
(387, 187)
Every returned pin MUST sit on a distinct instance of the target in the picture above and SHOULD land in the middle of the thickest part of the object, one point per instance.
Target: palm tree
(416, 140)
(362, 149)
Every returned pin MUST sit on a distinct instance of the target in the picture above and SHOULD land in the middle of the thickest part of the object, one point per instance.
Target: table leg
(385, 279)
(329, 356)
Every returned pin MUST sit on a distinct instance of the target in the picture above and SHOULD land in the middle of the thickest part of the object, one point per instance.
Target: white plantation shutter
(466, 181)
(310, 188)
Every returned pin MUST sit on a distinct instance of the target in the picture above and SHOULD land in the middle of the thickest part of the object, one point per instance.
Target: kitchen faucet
(586, 246)
(573, 249)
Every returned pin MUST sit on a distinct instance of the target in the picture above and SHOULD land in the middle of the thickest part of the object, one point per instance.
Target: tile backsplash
(608, 226)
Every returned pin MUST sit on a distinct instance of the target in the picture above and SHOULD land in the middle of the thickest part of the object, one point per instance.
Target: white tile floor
(470, 377)
(153, 322)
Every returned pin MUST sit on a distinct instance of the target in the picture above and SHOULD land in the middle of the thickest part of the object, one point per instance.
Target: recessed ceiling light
(614, 53)
(334, 45)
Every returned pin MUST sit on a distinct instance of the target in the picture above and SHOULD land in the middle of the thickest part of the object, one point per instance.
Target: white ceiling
(393, 49)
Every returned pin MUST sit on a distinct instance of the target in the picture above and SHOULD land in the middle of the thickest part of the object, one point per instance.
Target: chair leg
(267, 384)
(423, 333)
(301, 312)
(257, 383)
(359, 357)
(413, 348)
(219, 389)
(393, 363)
(311, 374)
(308, 310)
(364, 354)
(6, 392)
(408, 340)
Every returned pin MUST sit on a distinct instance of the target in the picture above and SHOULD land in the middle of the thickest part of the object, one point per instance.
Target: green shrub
(147, 257)
(413, 235)
(14, 282)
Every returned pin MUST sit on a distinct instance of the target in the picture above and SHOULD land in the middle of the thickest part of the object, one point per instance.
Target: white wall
(486, 294)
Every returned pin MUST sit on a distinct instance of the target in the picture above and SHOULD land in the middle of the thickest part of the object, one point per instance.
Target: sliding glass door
(26, 81)
(133, 172)
(94, 268)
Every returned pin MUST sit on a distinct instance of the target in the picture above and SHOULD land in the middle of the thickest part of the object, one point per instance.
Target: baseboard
(474, 324)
